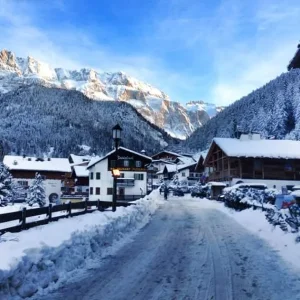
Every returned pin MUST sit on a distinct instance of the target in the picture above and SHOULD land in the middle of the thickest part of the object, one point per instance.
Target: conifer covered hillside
(38, 120)
(273, 111)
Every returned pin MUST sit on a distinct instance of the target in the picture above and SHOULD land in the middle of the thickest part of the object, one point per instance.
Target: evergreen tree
(6, 192)
(37, 192)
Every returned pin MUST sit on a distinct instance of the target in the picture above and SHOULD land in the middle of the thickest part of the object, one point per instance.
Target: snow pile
(34, 259)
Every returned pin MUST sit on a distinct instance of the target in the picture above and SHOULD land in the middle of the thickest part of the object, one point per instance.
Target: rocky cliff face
(178, 120)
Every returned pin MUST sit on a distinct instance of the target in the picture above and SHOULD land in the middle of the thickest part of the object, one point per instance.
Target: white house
(80, 174)
(133, 181)
(55, 171)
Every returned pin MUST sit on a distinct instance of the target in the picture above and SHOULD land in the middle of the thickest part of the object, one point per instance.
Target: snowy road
(188, 252)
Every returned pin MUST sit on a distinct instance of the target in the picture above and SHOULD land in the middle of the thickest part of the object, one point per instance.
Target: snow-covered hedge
(246, 197)
(36, 258)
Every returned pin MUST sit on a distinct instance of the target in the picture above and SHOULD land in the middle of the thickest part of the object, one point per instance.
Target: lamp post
(116, 132)
(151, 171)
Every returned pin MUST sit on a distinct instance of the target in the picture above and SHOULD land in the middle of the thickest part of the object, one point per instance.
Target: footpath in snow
(45, 255)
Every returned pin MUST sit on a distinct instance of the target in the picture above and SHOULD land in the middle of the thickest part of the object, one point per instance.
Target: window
(138, 176)
(113, 164)
(97, 191)
(126, 163)
(138, 164)
(23, 183)
(91, 175)
(98, 175)
(183, 174)
(109, 191)
(91, 191)
(122, 175)
(257, 165)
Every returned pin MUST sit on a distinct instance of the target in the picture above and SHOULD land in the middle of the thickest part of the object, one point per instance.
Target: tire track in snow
(188, 252)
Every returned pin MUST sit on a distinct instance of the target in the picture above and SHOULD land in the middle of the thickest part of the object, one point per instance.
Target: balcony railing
(125, 182)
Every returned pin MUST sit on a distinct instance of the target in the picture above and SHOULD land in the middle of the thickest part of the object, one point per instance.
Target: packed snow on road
(190, 249)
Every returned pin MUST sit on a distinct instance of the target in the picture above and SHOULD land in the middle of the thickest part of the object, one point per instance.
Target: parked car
(184, 188)
(200, 191)
(3, 202)
(178, 192)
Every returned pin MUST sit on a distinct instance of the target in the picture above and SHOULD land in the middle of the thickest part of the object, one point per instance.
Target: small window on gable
(91, 175)
(126, 163)
(138, 164)
(98, 175)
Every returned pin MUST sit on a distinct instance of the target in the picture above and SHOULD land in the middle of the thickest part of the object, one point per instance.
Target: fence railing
(129, 197)
(25, 220)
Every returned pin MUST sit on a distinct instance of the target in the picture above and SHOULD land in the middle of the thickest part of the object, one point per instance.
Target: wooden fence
(68, 210)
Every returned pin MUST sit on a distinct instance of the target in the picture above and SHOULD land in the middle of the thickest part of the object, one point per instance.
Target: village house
(252, 159)
(165, 155)
(80, 174)
(56, 173)
(132, 183)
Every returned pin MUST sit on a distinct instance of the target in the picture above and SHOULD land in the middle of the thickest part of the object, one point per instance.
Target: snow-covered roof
(95, 161)
(286, 149)
(186, 166)
(216, 183)
(174, 168)
(170, 168)
(186, 159)
(32, 164)
(78, 159)
(81, 171)
(168, 152)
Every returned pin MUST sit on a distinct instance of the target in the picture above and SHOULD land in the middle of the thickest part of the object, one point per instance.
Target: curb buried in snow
(34, 259)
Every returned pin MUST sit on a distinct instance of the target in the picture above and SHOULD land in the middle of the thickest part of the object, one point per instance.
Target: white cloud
(73, 48)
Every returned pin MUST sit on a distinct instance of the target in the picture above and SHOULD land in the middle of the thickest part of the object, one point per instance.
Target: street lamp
(151, 171)
(116, 131)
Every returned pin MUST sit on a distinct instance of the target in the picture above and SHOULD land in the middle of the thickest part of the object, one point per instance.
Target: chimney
(143, 152)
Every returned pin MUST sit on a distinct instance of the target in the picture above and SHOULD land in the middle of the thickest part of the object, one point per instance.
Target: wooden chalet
(252, 158)
(166, 155)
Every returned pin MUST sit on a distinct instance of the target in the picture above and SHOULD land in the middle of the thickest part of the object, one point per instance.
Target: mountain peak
(8, 58)
(177, 119)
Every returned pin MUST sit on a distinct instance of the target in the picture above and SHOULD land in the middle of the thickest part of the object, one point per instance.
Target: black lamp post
(151, 171)
(116, 131)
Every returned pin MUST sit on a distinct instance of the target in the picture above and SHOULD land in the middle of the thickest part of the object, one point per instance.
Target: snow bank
(34, 259)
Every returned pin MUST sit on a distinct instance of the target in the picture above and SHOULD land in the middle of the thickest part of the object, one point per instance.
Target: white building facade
(56, 173)
(132, 183)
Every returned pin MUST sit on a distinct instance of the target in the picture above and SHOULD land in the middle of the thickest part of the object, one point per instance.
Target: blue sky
(211, 50)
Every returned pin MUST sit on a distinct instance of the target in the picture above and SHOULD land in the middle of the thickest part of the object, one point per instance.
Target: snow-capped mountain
(178, 120)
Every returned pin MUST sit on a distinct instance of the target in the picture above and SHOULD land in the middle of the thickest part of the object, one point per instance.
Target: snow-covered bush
(249, 196)
(37, 192)
(6, 192)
